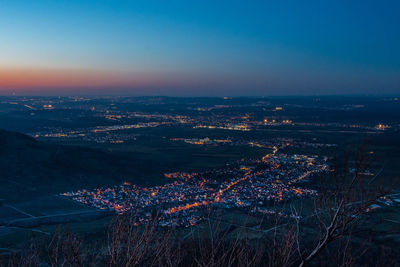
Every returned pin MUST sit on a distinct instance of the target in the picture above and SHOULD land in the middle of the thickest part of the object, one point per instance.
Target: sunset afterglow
(204, 48)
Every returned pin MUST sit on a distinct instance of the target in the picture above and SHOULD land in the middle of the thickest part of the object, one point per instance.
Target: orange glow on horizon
(46, 78)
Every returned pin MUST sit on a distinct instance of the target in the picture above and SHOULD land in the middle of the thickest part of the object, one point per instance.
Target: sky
(199, 48)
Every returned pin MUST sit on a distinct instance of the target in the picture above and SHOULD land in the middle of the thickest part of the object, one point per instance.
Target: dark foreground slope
(29, 168)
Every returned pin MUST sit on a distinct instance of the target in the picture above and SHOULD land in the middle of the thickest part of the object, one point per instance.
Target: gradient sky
(199, 47)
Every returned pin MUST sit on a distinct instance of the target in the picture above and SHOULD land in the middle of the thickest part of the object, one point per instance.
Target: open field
(75, 147)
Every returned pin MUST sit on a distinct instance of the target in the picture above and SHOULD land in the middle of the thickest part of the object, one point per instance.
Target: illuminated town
(199, 133)
(252, 186)
(117, 124)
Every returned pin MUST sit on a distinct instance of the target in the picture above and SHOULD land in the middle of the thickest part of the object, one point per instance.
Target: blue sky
(200, 47)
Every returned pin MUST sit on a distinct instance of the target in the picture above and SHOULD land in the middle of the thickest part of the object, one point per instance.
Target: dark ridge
(31, 168)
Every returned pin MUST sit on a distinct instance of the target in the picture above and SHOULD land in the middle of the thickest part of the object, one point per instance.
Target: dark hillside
(30, 168)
